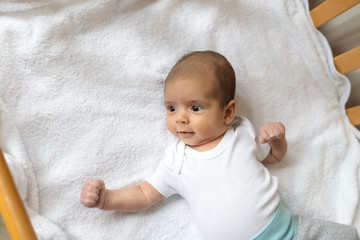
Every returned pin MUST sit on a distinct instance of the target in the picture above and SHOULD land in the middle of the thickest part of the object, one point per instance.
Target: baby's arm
(131, 198)
(274, 134)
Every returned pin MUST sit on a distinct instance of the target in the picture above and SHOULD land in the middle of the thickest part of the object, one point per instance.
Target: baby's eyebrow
(198, 101)
(190, 102)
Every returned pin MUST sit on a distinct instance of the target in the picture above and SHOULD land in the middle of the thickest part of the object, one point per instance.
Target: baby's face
(193, 114)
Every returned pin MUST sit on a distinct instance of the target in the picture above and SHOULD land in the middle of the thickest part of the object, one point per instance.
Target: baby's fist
(93, 193)
(274, 131)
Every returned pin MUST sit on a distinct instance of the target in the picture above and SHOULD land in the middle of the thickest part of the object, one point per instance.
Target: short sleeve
(263, 150)
(164, 179)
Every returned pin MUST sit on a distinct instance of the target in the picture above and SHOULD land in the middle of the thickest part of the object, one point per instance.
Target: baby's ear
(229, 112)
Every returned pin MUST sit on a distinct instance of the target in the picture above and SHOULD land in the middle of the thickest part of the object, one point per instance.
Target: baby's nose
(182, 117)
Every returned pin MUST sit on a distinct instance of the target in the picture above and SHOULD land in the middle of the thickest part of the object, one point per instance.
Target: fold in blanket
(81, 87)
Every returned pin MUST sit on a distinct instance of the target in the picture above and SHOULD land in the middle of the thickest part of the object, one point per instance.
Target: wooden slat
(354, 115)
(348, 61)
(329, 10)
(12, 209)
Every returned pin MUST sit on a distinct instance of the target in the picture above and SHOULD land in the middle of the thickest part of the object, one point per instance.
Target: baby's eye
(196, 108)
(171, 109)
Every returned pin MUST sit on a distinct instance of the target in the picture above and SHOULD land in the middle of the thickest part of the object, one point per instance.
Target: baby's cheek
(171, 126)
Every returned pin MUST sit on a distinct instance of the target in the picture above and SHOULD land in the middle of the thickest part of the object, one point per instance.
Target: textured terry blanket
(81, 87)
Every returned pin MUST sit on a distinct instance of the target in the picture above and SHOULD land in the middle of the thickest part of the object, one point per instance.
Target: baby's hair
(200, 62)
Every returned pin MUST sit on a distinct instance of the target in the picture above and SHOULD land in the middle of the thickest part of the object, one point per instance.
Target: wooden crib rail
(354, 115)
(12, 209)
(330, 9)
(345, 62)
(348, 61)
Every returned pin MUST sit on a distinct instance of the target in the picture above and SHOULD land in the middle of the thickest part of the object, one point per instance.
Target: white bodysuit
(231, 195)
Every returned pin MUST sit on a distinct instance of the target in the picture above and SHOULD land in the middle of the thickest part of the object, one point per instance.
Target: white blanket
(81, 86)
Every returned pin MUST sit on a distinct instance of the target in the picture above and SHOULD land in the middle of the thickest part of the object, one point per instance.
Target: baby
(216, 164)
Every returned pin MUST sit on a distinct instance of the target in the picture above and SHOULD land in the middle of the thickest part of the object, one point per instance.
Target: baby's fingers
(88, 199)
(95, 183)
(276, 133)
(279, 131)
(267, 136)
(271, 132)
(90, 192)
(264, 137)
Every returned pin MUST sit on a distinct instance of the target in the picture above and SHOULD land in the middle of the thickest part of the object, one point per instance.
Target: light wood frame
(349, 60)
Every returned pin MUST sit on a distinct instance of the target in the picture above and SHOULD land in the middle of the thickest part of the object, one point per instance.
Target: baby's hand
(269, 132)
(93, 193)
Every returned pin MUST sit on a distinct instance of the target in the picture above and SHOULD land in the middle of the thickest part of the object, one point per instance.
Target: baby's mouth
(185, 134)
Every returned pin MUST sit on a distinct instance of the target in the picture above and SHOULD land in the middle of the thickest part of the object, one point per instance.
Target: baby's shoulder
(242, 125)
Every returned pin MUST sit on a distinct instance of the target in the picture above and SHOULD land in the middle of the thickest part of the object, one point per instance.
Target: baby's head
(199, 98)
(211, 68)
